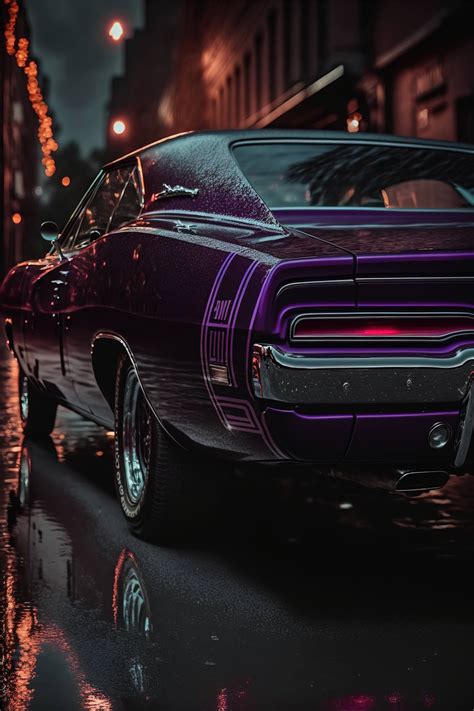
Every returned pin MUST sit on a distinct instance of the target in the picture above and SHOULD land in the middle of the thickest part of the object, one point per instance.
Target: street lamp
(116, 31)
(119, 127)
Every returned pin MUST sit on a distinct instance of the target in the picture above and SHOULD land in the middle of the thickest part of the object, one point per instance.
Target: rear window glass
(358, 175)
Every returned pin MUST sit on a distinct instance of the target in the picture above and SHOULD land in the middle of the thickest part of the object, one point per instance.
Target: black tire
(37, 411)
(158, 495)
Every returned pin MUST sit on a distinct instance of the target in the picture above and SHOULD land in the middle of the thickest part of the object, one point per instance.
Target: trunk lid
(411, 259)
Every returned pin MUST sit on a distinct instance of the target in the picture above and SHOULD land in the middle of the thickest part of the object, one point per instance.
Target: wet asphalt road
(299, 595)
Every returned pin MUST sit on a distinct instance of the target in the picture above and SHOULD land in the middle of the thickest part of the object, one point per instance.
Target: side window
(130, 203)
(98, 212)
(72, 225)
(67, 235)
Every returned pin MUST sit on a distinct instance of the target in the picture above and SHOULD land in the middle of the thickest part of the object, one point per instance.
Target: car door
(42, 326)
(118, 200)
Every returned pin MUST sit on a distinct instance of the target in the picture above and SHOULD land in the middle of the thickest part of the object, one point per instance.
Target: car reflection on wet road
(299, 595)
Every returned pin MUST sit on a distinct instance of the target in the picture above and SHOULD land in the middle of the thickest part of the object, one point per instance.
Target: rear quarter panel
(179, 302)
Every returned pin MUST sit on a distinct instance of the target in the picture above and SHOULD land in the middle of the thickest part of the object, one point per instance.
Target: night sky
(70, 39)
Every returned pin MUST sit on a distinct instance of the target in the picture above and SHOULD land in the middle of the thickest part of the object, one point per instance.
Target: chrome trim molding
(109, 335)
(422, 279)
(320, 282)
(112, 336)
(219, 374)
(400, 142)
(299, 379)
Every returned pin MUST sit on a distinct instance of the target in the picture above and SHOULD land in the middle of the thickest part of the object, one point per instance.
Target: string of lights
(19, 50)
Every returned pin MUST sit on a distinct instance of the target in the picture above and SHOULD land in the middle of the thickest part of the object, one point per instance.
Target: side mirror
(94, 234)
(50, 231)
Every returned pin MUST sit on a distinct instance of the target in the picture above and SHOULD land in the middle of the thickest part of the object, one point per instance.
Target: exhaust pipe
(413, 481)
(404, 481)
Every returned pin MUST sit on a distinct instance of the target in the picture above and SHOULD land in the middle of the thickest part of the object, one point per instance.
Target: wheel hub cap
(24, 398)
(136, 438)
(135, 614)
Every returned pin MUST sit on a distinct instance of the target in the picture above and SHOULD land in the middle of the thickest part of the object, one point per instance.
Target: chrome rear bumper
(286, 377)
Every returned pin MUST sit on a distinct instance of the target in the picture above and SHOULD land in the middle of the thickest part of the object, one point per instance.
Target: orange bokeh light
(16, 218)
(353, 122)
(116, 31)
(40, 107)
(66, 181)
(119, 127)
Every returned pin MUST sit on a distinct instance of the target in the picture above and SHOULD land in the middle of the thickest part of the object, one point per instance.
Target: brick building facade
(271, 63)
(426, 69)
(139, 97)
(379, 65)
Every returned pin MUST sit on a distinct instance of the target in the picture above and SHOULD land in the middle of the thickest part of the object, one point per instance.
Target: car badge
(174, 191)
(186, 227)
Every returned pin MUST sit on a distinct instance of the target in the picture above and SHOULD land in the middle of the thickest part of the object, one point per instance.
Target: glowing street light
(66, 181)
(119, 127)
(16, 218)
(353, 122)
(116, 31)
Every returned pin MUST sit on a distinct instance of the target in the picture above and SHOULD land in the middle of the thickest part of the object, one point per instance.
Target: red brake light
(370, 326)
(377, 331)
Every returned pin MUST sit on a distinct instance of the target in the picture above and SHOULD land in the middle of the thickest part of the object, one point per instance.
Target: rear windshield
(358, 175)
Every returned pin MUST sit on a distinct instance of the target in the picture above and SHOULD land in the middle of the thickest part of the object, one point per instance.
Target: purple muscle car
(267, 297)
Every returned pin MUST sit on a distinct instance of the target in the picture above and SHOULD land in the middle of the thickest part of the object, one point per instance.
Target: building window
(247, 82)
(429, 80)
(422, 118)
(258, 70)
(367, 11)
(19, 185)
(237, 95)
(229, 102)
(287, 43)
(221, 107)
(465, 119)
(215, 115)
(17, 112)
(321, 30)
(271, 25)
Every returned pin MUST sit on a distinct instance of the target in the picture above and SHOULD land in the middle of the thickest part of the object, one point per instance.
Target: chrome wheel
(136, 434)
(134, 607)
(24, 478)
(154, 478)
(24, 398)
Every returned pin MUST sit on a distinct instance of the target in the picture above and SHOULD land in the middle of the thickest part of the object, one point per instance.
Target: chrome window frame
(69, 234)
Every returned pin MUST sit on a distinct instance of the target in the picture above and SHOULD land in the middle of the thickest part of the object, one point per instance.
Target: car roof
(203, 163)
(269, 134)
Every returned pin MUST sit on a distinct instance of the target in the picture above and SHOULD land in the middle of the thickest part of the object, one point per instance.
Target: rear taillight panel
(380, 326)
